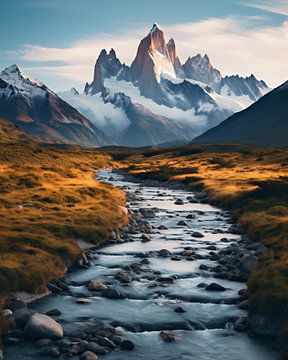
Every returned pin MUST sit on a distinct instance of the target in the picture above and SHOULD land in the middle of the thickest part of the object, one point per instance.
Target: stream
(165, 292)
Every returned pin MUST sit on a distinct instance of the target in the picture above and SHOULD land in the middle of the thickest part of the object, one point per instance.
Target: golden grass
(254, 184)
(49, 198)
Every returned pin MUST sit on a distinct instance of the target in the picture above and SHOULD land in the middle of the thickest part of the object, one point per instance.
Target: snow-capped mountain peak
(155, 27)
(159, 95)
(15, 76)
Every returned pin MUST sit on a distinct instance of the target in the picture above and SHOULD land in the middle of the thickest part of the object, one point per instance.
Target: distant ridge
(264, 123)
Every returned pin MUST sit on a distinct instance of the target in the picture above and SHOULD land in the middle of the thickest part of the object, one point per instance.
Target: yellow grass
(49, 198)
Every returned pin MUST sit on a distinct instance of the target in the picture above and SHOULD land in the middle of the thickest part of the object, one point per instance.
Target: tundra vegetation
(49, 198)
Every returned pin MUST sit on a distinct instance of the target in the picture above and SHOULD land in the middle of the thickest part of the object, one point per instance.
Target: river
(202, 324)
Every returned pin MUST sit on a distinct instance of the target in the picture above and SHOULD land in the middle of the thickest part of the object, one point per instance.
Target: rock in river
(164, 253)
(96, 285)
(127, 345)
(88, 355)
(41, 326)
(215, 287)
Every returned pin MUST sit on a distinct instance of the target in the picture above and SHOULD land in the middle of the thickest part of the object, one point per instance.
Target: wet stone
(127, 345)
(215, 287)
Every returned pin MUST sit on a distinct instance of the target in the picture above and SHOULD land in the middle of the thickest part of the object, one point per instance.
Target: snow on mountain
(40, 112)
(192, 97)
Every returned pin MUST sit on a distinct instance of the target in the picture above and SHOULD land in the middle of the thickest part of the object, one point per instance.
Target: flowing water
(204, 330)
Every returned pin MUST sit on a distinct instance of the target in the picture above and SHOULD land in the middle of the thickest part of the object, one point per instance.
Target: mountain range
(157, 99)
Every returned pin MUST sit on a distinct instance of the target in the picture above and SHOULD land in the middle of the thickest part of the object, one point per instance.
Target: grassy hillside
(48, 199)
(252, 182)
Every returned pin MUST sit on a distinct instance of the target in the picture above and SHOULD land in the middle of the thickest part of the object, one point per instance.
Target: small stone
(168, 336)
(215, 287)
(53, 312)
(7, 312)
(145, 238)
(211, 247)
(175, 258)
(88, 355)
(164, 253)
(180, 310)
(197, 234)
(162, 227)
(204, 267)
(112, 293)
(105, 342)
(182, 223)
(43, 342)
(84, 301)
(51, 351)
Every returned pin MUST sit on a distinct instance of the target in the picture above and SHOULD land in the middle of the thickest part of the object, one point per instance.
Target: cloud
(235, 45)
(274, 6)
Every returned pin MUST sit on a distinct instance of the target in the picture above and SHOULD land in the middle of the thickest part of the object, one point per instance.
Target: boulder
(127, 345)
(96, 285)
(41, 326)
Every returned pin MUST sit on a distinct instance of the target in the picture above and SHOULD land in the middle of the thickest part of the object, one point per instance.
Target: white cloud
(274, 6)
(235, 45)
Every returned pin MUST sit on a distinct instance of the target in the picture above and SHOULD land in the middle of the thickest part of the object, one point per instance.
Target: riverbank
(253, 183)
(150, 292)
(49, 200)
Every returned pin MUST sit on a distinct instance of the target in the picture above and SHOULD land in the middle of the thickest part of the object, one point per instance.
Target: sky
(58, 41)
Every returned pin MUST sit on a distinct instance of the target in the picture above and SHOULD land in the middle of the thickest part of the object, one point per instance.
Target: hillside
(265, 123)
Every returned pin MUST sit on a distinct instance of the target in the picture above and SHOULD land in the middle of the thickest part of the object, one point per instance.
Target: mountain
(192, 97)
(200, 69)
(239, 86)
(264, 123)
(40, 112)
